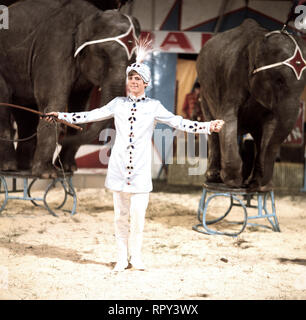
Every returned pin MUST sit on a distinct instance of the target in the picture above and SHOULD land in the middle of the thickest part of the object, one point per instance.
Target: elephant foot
(10, 165)
(233, 182)
(68, 167)
(213, 176)
(255, 186)
(232, 178)
(24, 166)
(266, 188)
(45, 171)
(8, 159)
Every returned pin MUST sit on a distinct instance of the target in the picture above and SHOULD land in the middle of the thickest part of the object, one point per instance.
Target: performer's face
(136, 85)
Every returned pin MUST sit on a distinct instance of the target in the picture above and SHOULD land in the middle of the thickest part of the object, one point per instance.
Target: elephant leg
(274, 132)
(247, 152)
(27, 124)
(213, 162)
(231, 163)
(262, 145)
(212, 173)
(7, 151)
(66, 157)
(47, 135)
(45, 147)
(254, 180)
(50, 96)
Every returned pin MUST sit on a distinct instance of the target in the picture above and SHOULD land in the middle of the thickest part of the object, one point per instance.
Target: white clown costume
(129, 167)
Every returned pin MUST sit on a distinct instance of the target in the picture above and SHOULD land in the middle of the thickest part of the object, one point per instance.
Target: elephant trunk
(109, 92)
(112, 91)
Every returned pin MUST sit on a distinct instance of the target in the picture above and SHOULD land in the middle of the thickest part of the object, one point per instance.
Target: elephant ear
(87, 29)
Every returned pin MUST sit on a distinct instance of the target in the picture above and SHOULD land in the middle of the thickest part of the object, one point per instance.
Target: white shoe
(137, 264)
(120, 266)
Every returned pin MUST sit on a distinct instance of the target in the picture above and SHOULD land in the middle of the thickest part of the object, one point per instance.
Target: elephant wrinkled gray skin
(264, 104)
(101, 4)
(38, 70)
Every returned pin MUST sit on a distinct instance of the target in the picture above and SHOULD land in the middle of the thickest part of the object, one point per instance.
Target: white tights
(129, 206)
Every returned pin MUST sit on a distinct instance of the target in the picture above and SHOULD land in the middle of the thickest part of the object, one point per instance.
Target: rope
(4, 104)
(19, 140)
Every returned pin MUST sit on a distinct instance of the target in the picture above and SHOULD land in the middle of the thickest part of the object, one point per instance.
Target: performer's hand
(216, 125)
(49, 116)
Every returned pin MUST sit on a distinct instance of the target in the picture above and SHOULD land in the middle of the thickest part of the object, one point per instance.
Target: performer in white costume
(129, 167)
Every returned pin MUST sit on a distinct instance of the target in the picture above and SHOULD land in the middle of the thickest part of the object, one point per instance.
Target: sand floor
(71, 257)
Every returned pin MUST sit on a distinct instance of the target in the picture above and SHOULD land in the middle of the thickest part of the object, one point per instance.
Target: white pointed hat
(144, 47)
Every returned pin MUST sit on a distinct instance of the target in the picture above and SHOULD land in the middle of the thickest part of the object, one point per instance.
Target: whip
(41, 114)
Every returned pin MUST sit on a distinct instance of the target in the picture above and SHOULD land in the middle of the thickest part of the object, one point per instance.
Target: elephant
(101, 4)
(39, 69)
(261, 102)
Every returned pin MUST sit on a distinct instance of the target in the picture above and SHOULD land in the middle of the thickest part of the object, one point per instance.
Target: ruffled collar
(137, 99)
